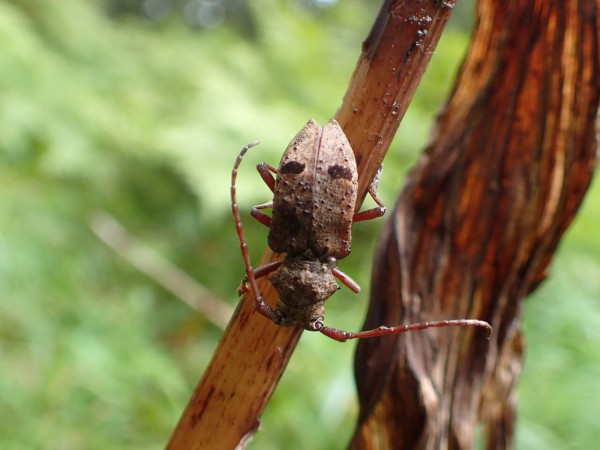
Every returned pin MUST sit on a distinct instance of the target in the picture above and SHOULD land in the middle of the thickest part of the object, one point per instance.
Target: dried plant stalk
(476, 226)
(225, 408)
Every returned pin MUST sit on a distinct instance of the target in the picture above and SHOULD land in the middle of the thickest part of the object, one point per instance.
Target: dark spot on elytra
(292, 167)
(338, 171)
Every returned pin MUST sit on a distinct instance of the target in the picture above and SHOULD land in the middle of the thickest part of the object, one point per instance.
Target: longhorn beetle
(314, 197)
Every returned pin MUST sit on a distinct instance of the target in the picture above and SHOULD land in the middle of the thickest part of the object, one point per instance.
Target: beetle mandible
(314, 197)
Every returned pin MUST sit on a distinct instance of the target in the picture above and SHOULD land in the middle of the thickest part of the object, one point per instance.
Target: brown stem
(224, 410)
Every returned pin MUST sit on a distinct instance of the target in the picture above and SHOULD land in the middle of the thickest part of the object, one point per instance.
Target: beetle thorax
(304, 284)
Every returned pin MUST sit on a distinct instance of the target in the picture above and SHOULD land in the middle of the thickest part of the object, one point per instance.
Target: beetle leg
(368, 214)
(343, 336)
(260, 216)
(346, 280)
(374, 212)
(265, 170)
(259, 273)
(266, 269)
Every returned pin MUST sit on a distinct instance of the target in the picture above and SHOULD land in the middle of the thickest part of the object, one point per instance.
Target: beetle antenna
(260, 305)
(343, 336)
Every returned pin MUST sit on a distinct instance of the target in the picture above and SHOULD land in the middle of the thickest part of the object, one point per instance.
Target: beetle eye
(331, 263)
(315, 324)
(278, 318)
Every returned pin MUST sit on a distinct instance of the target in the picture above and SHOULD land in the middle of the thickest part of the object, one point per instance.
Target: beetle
(314, 198)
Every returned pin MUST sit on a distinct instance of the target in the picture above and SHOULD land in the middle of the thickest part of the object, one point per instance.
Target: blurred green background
(136, 110)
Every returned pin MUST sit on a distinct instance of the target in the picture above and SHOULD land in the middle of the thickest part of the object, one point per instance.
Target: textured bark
(225, 408)
(476, 226)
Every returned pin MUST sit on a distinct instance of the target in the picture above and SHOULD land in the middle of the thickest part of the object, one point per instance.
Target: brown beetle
(312, 214)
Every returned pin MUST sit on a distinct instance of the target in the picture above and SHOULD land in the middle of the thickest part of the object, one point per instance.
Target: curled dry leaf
(476, 226)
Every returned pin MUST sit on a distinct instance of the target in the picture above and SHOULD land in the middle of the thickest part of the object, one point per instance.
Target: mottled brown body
(314, 198)
(316, 189)
(303, 286)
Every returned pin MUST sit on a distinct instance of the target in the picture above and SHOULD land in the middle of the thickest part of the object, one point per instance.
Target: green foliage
(559, 395)
(144, 120)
